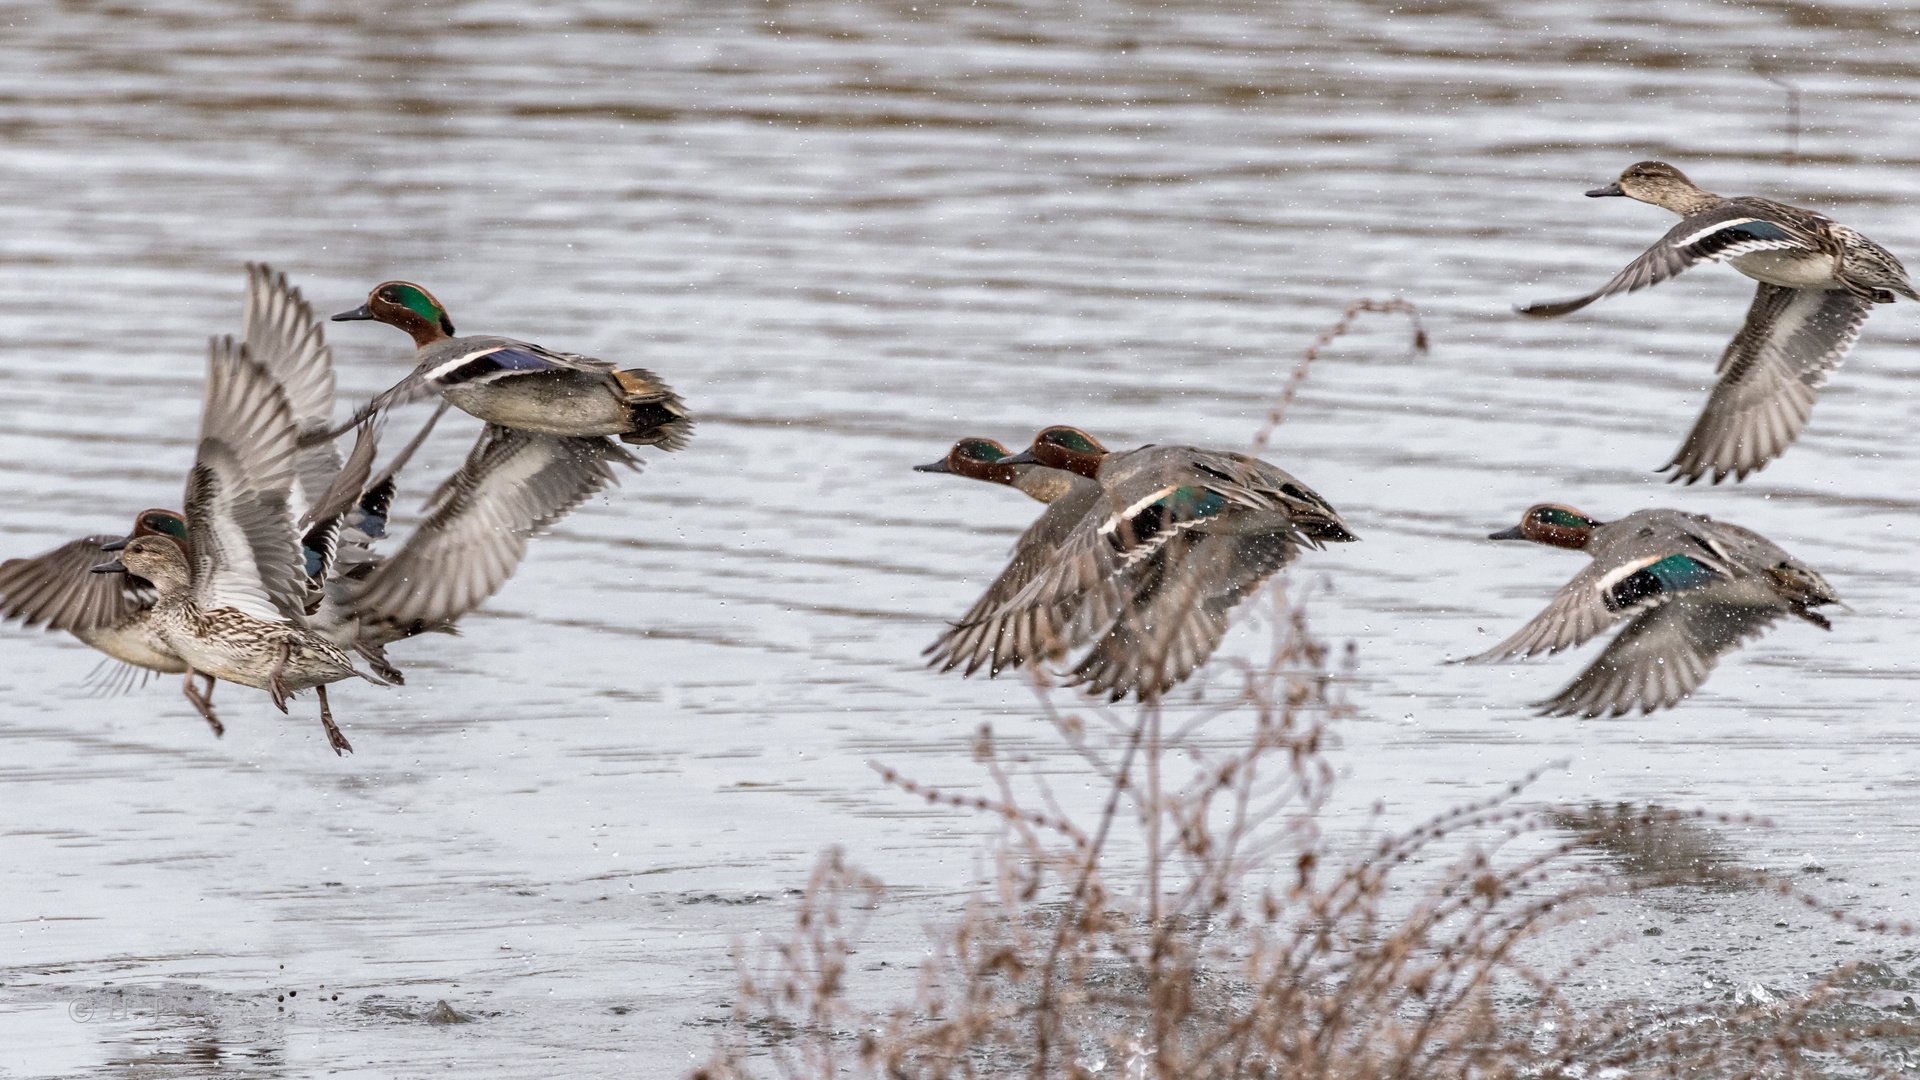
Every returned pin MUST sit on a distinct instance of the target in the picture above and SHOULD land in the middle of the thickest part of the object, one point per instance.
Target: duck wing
(1792, 341)
(1666, 652)
(978, 639)
(282, 336)
(514, 484)
(60, 589)
(1181, 608)
(240, 539)
(1633, 568)
(1725, 232)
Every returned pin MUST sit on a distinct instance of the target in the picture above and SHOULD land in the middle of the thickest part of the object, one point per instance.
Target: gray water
(849, 233)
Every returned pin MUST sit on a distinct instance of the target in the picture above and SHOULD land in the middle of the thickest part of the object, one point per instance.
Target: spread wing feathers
(1605, 591)
(978, 640)
(1717, 235)
(60, 589)
(240, 537)
(1792, 340)
(1178, 614)
(112, 678)
(513, 484)
(282, 336)
(1665, 653)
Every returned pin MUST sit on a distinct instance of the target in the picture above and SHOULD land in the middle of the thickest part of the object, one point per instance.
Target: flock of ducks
(269, 577)
(235, 588)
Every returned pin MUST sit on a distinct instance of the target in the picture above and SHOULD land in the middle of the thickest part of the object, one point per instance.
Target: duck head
(975, 459)
(154, 523)
(1065, 448)
(1554, 525)
(1658, 183)
(157, 558)
(407, 306)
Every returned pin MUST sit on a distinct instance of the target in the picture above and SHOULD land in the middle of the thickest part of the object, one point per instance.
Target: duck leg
(276, 682)
(204, 701)
(334, 738)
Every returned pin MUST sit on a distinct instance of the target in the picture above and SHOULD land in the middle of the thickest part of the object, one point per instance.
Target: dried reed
(1202, 927)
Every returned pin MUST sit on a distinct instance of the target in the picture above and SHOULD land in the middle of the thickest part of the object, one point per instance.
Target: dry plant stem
(1312, 353)
(1333, 977)
(1043, 1034)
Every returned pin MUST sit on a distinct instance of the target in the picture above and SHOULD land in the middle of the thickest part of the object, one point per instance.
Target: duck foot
(334, 738)
(204, 701)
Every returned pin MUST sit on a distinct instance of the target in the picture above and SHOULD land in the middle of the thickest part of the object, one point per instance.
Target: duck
(56, 590)
(114, 616)
(1173, 539)
(514, 484)
(517, 384)
(1818, 280)
(1690, 590)
(232, 602)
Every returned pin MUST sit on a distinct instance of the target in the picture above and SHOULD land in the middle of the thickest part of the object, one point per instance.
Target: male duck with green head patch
(1691, 589)
(517, 384)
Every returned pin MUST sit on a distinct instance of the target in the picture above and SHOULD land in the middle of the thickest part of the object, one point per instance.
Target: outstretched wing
(1792, 341)
(978, 639)
(1181, 608)
(240, 539)
(60, 589)
(1717, 235)
(1664, 654)
(282, 336)
(1609, 589)
(514, 484)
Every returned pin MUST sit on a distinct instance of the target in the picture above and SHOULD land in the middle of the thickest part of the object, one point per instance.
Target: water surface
(849, 233)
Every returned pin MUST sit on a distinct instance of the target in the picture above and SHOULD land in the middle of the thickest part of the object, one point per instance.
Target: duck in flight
(1818, 280)
(1690, 589)
(518, 384)
(232, 604)
(1145, 563)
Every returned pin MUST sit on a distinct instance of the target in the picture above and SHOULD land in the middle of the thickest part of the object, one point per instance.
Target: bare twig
(1312, 352)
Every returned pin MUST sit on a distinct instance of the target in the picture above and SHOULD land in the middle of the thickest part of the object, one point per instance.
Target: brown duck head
(1554, 525)
(1065, 448)
(1662, 185)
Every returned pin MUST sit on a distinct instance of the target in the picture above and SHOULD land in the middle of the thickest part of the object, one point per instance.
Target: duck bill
(1596, 193)
(114, 545)
(1508, 534)
(1024, 457)
(114, 567)
(363, 313)
(933, 466)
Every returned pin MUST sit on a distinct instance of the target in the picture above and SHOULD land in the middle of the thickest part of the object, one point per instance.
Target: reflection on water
(849, 233)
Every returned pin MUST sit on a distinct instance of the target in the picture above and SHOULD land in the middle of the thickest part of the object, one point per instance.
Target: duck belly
(235, 647)
(569, 403)
(136, 643)
(1788, 269)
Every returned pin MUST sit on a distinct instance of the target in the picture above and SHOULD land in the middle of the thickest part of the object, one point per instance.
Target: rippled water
(849, 233)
